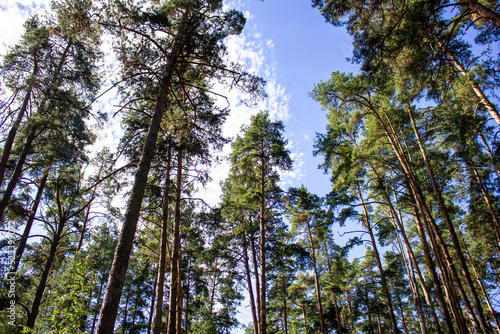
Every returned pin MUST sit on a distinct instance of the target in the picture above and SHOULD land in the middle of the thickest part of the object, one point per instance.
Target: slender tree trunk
(285, 315)
(33, 314)
(486, 196)
(123, 250)
(179, 302)
(98, 303)
(475, 87)
(186, 311)
(480, 283)
(153, 304)
(250, 288)
(383, 281)
(9, 141)
(262, 221)
(494, 162)
(399, 226)
(417, 191)
(257, 280)
(304, 313)
(17, 171)
(125, 315)
(162, 261)
(410, 273)
(316, 279)
(485, 12)
(27, 228)
(451, 227)
(176, 248)
(86, 221)
(444, 271)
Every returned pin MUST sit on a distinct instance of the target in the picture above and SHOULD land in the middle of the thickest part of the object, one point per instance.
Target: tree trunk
(176, 247)
(9, 141)
(257, 280)
(250, 288)
(399, 225)
(17, 171)
(98, 303)
(179, 303)
(125, 314)
(285, 315)
(451, 227)
(475, 87)
(489, 203)
(153, 304)
(383, 281)
(481, 286)
(123, 250)
(490, 154)
(160, 279)
(48, 264)
(483, 11)
(316, 279)
(262, 223)
(27, 228)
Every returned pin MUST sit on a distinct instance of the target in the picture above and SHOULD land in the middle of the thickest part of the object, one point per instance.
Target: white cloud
(12, 18)
(255, 54)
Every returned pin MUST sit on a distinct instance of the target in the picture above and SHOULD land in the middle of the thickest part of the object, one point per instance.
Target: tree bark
(285, 315)
(475, 87)
(9, 141)
(176, 247)
(399, 225)
(451, 227)
(160, 279)
(483, 11)
(262, 223)
(153, 304)
(33, 314)
(250, 288)
(27, 228)
(316, 279)
(383, 281)
(257, 280)
(17, 172)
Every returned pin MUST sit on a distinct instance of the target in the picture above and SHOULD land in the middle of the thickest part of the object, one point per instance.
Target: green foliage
(69, 307)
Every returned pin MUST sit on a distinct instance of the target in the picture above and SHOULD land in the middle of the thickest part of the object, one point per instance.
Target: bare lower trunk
(262, 223)
(451, 228)
(176, 248)
(98, 303)
(153, 303)
(316, 279)
(163, 251)
(256, 271)
(392, 317)
(250, 288)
